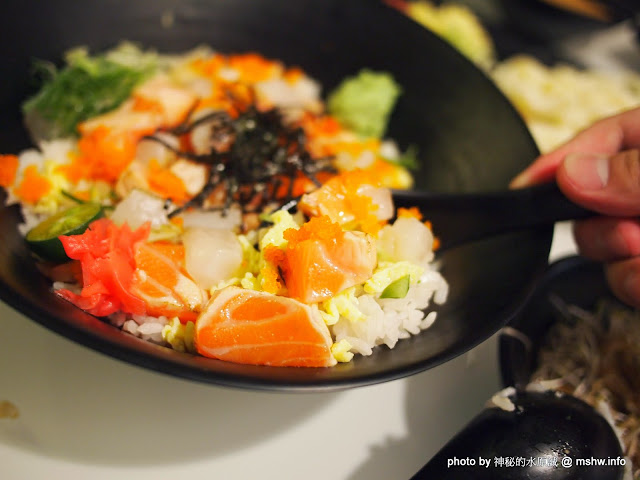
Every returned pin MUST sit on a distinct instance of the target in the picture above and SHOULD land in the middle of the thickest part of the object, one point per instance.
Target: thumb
(609, 185)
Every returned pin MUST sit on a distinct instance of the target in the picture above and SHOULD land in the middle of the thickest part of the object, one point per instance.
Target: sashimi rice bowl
(223, 205)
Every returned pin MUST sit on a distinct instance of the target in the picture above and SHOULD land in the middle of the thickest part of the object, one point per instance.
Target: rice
(387, 320)
(146, 327)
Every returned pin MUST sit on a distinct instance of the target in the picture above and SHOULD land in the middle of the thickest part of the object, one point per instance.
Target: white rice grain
(146, 327)
(391, 319)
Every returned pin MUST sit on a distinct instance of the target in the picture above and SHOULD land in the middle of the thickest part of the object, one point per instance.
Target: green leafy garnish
(397, 289)
(408, 159)
(72, 197)
(85, 87)
(364, 102)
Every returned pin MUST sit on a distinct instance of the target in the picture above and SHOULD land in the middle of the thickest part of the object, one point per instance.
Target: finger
(542, 170)
(608, 185)
(606, 137)
(624, 279)
(607, 239)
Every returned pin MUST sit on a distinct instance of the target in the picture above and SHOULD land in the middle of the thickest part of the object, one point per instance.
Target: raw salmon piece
(317, 269)
(351, 199)
(259, 328)
(161, 281)
(154, 104)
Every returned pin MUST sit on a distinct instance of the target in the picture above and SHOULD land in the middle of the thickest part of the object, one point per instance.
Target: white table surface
(84, 415)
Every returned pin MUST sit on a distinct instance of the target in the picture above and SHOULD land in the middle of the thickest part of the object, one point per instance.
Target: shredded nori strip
(250, 155)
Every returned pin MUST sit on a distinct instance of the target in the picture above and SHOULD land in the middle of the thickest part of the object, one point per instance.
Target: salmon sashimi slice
(162, 283)
(259, 328)
(326, 261)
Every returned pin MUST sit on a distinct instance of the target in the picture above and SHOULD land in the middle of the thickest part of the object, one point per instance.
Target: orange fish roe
(275, 255)
(356, 148)
(103, 155)
(324, 125)
(320, 130)
(276, 259)
(317, 228)
(382, 172)
(166, 183)
(341, 200)
(413, 212)
(33, 185)
(8, 169)
(209, 67)
(388, 174)
(354, 179)
(252, 67)
(436, 243)
(271, 281)
(293, 74)
(301, 184)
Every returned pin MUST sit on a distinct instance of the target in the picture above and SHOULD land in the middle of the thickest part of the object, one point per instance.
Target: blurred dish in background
(556, 101)
(457, 24)
(588, 8)
(602, 10)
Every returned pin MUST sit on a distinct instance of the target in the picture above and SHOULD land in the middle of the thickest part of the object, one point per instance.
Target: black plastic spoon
(461, 218)
(546, 436)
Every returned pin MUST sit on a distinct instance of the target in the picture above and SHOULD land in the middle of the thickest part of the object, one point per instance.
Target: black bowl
(575, 281)
(469, 136)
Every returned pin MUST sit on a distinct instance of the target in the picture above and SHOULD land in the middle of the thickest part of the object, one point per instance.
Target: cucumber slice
(43, 238)
(397, 289)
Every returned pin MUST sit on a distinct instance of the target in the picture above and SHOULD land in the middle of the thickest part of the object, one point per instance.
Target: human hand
(600, 170)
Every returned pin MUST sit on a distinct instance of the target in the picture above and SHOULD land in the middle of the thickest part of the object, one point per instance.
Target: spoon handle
(460, 218)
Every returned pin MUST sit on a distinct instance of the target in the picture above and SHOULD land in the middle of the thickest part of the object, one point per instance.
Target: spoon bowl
(545, 436)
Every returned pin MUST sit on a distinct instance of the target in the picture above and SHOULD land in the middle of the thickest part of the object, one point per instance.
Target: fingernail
(587, 171)
(520, 181)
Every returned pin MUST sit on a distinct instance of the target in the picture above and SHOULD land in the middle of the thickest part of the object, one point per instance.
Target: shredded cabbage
(388, 272)
(282, 220)
(343, 304)
(251, 257)
(180, 336)
(341, 351)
